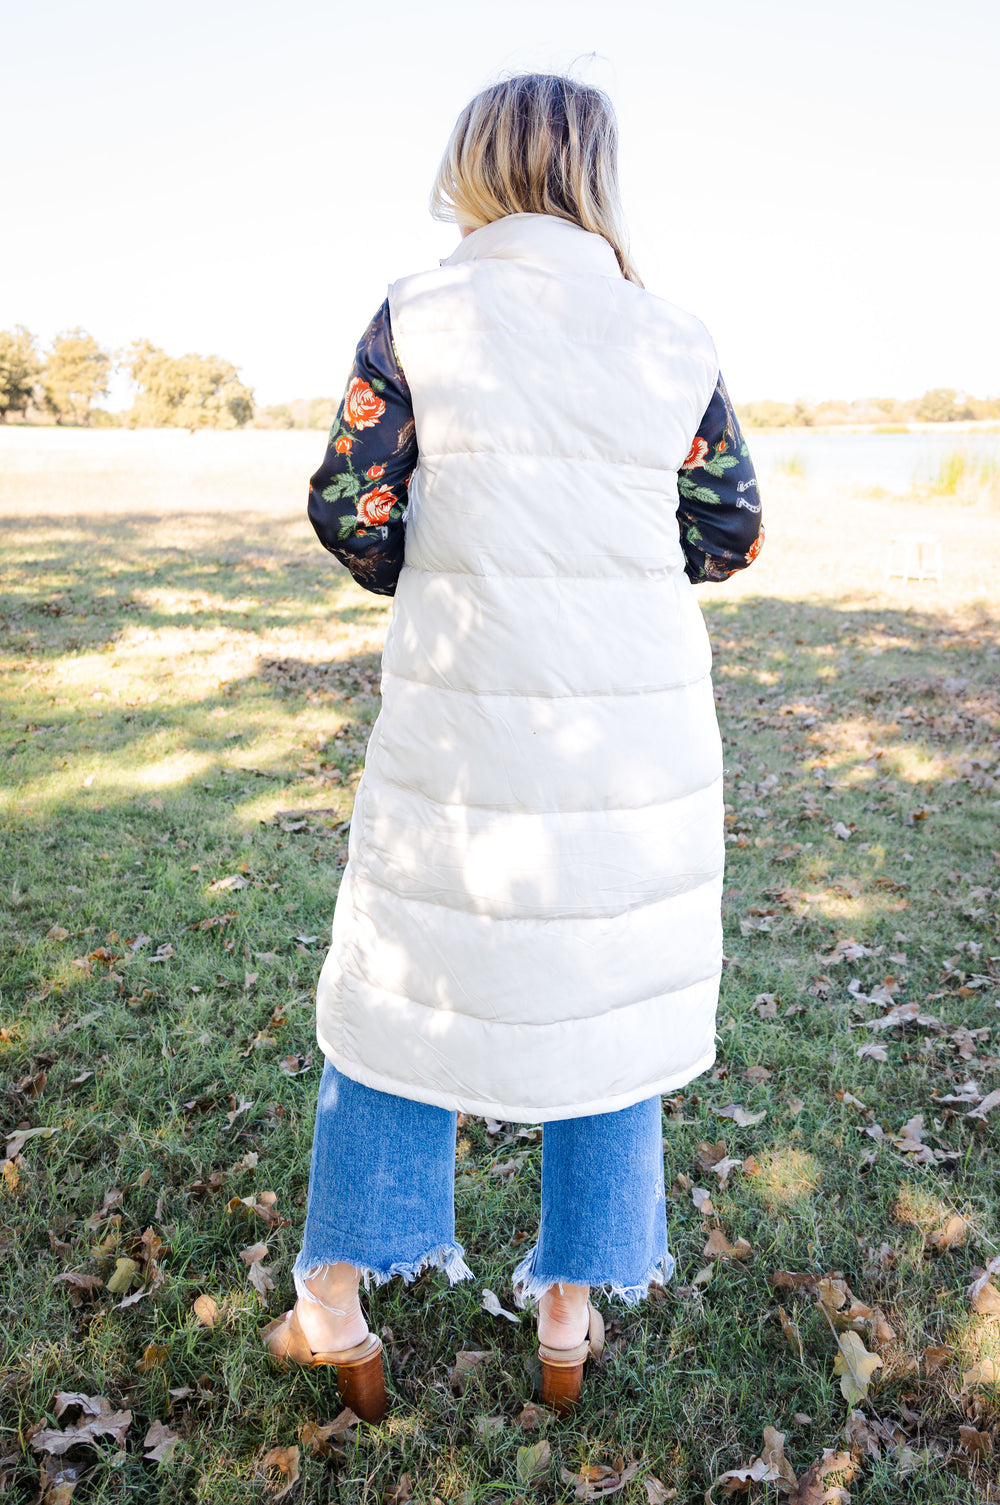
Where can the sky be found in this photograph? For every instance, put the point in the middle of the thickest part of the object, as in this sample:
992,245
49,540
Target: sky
816,181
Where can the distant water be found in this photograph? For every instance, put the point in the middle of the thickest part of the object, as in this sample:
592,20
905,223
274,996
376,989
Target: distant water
894,462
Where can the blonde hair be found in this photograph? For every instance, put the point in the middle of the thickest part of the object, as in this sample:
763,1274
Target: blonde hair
536,143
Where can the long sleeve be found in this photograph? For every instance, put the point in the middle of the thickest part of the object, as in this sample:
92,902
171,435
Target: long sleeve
719,508
357,498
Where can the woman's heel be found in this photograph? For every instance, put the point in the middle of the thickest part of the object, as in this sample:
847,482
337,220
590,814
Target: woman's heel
362,1386
562,1368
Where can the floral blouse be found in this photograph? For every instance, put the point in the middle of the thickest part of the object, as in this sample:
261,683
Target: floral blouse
357,498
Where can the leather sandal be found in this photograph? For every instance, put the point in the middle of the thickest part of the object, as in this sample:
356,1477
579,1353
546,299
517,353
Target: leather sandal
360,1377
562,1368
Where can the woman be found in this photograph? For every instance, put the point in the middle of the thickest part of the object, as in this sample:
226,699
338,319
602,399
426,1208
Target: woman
536,457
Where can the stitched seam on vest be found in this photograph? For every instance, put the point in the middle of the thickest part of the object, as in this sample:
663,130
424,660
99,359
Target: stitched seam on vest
534,919
533,1023
520,454
465,804
429,684
658,578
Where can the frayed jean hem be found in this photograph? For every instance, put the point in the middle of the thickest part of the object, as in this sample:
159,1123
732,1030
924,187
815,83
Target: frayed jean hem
529,1286
449,1258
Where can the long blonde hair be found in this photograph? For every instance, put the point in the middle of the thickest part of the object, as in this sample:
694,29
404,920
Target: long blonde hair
536,143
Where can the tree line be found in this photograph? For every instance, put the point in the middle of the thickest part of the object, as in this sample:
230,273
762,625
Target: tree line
64,383
940,405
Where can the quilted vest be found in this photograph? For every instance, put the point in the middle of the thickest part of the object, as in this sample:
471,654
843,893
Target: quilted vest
528,925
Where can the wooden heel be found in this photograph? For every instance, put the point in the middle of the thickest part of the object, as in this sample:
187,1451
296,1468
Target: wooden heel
562,1368
562,1385
362,1387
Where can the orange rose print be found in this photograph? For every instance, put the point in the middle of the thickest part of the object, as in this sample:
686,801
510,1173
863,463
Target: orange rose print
374,507
362,408
374,471
755,547
343,446
697,453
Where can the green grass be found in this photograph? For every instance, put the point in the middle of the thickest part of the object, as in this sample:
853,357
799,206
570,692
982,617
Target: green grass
167,695
961,474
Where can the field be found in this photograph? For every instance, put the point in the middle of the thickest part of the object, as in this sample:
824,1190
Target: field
188,683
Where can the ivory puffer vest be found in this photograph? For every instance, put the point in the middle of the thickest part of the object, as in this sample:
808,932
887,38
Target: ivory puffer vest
529,922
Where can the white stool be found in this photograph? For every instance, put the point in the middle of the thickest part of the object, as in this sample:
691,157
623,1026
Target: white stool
921,557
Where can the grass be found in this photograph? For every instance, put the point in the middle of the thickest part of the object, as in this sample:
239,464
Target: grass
790,465
961,474
186,703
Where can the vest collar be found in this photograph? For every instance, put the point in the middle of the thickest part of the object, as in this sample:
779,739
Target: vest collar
542,240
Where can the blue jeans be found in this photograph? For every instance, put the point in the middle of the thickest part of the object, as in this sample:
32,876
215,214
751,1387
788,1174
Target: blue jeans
382,1195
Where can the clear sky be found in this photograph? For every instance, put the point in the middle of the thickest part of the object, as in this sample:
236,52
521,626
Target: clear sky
817,181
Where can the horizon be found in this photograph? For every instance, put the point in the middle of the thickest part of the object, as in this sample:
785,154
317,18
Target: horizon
248,186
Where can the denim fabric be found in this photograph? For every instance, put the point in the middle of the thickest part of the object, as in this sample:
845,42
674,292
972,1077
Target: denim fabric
381,1195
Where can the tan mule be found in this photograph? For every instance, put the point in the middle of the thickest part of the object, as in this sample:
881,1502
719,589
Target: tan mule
562,1368
360,1377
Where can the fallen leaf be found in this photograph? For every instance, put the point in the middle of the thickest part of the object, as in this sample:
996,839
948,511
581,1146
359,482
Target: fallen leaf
239,1105
206,1310
161,1442
467,1361
795,1106
259,1278
532,1415
657,1493
855,1365
287,1460
317,1439
986,1301
57,933
880,1328
229,885
400,1492
873,1053
98,1420
719,1247
491,1304
951,1232
739,1115
791,1333
773,1454
596,1481
755,1075
154,1356
122,1278
936,1357
983,1373
78,1283
485,1426
17,1141
702,1199
532,1462
986,1106
976,1444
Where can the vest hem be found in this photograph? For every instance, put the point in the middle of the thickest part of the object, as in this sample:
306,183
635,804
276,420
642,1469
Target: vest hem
514,1112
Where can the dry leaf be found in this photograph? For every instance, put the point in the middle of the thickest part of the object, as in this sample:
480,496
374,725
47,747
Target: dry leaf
976,1444
657,1493
491,1304
880,1328
154,1356
98,1420
161,1441
486,1425
937,1357
791,1333
318,1439
122,1278
16,1142
702,1199
287,1460
467,1361
57,933
795,1106
532,1416
952,1232
739,1115
596,1480
986,1301
400,1492
983,1373
855,1365
206,1310
259,1278
986,1106
719,1247
532,1462
773,1454
872,1053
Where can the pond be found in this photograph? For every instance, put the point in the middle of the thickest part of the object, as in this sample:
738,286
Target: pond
894,462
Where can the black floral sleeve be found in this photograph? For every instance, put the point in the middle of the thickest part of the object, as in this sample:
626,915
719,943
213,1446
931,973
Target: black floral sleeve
719,508
357,498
